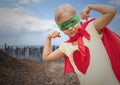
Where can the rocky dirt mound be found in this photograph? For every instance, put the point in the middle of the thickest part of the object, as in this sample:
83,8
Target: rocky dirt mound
26,72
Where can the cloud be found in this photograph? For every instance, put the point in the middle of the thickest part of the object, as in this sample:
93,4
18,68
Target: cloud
116,2
19,27
30,1
118,16
17,19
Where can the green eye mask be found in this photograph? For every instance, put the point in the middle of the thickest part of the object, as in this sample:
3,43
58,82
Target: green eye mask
69,23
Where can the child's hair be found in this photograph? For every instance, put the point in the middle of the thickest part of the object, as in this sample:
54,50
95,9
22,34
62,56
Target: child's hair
64,9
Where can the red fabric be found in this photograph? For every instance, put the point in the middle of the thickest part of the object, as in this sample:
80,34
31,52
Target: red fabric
111,42
81,58
67,66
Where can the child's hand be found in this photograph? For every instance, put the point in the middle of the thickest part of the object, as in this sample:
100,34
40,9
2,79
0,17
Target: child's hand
54,34
85,13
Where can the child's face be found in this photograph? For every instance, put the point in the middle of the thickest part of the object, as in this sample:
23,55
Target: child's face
72,30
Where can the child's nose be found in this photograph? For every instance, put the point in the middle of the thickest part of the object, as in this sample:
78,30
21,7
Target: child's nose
71,28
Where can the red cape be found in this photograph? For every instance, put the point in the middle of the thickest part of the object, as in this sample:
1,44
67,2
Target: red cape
111,42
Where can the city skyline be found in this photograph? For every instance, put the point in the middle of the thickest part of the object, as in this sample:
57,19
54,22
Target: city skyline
26,52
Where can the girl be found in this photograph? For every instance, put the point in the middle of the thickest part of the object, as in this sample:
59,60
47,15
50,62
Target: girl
85,52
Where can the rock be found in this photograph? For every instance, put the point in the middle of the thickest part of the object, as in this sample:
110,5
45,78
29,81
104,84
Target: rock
27,72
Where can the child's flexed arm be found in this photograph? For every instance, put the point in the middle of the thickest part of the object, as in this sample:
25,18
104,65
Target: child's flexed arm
48,55
108,13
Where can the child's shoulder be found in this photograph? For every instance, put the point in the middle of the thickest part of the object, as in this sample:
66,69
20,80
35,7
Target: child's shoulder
65,43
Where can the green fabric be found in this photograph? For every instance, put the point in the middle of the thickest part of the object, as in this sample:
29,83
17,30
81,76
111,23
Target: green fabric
69,23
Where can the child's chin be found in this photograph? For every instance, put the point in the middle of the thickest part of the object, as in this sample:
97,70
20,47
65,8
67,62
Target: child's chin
72,35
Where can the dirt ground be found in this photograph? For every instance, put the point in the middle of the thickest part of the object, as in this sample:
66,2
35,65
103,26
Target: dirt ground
27,72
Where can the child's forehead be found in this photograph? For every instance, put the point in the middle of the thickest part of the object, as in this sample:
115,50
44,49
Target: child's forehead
64,18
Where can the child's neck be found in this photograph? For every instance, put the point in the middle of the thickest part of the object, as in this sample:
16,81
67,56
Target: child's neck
74,43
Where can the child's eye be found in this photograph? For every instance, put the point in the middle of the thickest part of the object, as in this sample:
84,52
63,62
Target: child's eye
63,26
72,21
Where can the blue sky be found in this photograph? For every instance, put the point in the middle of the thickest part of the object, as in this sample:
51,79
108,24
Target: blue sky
27,22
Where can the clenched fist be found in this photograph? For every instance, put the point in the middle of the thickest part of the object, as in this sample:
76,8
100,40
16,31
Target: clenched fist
54,34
